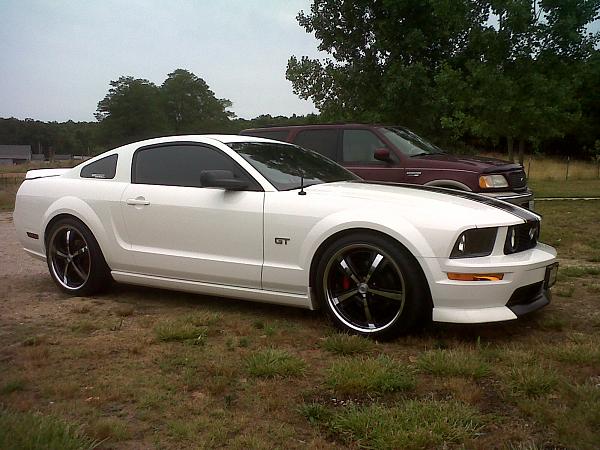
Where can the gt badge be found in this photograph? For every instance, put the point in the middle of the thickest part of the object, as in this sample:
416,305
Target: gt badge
281,241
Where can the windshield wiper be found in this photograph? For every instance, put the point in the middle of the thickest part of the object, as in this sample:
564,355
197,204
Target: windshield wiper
428,154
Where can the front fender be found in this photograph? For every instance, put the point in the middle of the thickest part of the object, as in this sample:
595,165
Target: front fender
452,184
400,230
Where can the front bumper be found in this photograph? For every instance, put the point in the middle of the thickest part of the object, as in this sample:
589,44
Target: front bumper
522,199
490,301
530,298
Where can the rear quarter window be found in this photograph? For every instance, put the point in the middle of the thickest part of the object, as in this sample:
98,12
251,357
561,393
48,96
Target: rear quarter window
104,168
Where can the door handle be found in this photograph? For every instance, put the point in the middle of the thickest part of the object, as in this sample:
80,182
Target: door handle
137,201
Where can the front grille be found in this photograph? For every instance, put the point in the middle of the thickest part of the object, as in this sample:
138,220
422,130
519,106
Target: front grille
517,180
522,237
526,294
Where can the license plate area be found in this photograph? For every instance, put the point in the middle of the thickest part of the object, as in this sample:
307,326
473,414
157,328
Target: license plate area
550,277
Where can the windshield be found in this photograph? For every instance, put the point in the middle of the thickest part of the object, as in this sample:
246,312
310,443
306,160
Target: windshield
282,164
409,143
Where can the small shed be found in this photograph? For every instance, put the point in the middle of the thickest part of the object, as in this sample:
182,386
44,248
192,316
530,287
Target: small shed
15,154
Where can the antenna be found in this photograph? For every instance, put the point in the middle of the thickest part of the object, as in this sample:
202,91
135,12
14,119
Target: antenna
302,192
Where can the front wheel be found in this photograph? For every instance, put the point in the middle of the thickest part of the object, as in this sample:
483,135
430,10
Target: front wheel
370,285
74,258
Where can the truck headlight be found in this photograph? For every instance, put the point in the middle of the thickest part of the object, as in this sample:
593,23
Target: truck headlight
475,242
492,181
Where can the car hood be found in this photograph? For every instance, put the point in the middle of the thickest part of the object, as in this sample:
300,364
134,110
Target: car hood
475,163
423,204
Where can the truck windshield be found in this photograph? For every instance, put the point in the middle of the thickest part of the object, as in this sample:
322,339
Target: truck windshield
282,164
409,143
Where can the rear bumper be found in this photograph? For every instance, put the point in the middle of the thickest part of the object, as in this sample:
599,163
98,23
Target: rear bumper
522,199
519,292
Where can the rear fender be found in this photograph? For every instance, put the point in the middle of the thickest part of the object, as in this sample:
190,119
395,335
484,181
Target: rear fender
79,209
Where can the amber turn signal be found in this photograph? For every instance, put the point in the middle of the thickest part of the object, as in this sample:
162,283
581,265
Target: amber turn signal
475,276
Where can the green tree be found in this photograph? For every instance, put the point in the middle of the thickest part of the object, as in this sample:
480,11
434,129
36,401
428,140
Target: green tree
133,109
384,56
524,88
494,69
191,106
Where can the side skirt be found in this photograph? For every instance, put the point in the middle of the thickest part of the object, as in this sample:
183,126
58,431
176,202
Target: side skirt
36,255
197,287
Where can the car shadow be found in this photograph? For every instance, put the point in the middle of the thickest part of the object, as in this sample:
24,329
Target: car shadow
156,300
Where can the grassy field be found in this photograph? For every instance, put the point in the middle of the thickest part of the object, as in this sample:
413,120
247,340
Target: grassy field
8,190
561,189
554,169
573,227
22,168
143,368
547,168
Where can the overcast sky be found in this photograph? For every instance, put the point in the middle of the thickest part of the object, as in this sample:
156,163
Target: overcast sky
58,57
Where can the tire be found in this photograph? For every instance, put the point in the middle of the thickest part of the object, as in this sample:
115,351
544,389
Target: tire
74,258
372,286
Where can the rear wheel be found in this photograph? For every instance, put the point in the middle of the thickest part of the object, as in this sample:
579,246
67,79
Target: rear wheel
370,285
74,258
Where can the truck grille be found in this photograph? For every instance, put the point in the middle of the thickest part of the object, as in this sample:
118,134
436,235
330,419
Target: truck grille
517,180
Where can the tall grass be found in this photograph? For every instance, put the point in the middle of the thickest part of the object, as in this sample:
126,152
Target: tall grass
546,168
30,431
8,191
22,168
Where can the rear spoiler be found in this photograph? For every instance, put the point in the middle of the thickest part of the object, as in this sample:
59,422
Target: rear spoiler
44,173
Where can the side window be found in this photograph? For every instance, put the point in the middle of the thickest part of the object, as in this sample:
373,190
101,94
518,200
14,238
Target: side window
360,146
104,168
320,141
181,165
277,135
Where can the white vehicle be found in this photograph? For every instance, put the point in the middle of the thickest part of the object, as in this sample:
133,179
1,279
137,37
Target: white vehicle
256,219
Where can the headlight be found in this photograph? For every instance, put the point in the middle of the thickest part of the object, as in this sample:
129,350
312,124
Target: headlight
475,242
492,181
521,237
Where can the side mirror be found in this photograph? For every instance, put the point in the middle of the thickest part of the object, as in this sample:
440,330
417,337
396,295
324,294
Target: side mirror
382,154
222,179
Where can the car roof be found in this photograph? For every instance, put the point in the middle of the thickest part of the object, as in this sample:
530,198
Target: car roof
229,138
201,138
325,126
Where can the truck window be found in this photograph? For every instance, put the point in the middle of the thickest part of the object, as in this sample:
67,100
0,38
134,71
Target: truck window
320,141
360,146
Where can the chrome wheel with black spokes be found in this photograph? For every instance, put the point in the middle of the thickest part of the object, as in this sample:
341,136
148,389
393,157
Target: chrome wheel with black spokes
74,258
370,285
70,257
364,287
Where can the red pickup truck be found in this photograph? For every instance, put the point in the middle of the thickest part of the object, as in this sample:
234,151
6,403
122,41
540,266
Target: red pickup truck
396,154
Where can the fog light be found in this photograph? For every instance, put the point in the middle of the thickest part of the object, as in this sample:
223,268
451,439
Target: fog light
475,276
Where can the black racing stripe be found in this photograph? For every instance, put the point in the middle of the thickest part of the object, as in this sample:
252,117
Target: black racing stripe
521,213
